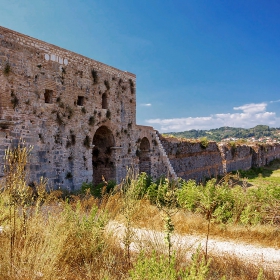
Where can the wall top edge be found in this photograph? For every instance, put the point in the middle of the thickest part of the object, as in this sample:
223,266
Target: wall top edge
42,45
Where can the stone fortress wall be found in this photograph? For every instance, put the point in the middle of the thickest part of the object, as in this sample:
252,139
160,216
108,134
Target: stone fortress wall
191,160
79,115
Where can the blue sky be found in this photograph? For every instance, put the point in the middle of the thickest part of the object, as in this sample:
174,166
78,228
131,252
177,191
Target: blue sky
199,64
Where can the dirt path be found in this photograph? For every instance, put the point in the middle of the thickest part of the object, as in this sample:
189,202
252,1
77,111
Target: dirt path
266,257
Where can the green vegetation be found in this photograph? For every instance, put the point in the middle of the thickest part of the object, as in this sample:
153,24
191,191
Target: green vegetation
7,69
108,114
87,142
59,235
94,76
69,175
268,175
230,132
59,118
98,190
83,110
204,142
14,101
131,85
91,120
107,85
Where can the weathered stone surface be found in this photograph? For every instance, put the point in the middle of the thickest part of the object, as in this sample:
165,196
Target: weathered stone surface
80,117
69,108
190,160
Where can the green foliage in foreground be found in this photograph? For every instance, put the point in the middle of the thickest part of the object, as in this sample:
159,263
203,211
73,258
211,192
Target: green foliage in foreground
221,203
160,268
46,237
99,189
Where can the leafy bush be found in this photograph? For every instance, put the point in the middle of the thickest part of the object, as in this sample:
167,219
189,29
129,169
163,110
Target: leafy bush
159,267
7,69
99,189
87,142
204,142
94,76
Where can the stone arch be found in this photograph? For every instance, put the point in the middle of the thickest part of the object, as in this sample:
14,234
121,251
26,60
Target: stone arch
144,156
103,161
104,101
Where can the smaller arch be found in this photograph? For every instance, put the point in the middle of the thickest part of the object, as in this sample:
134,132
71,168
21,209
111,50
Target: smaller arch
145,145
104,101
144,156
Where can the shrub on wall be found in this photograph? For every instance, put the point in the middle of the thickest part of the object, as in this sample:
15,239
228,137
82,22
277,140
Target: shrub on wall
204,142
94,76
69,175
131,84
7,69
108,114
106,83
87,142
91,120
14,100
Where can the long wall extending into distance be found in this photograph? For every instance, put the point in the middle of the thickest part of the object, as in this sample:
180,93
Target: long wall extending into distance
191,160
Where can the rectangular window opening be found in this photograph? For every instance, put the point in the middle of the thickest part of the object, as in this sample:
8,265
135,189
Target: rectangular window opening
80,101
48,96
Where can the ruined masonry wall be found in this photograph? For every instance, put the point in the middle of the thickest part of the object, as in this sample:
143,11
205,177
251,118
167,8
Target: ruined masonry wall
234,158
79,115
61,130
192,161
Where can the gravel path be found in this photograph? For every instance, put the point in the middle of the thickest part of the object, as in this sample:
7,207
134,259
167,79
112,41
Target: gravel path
266,257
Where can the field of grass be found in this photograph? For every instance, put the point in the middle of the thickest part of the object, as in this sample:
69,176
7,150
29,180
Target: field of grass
54,235
267,175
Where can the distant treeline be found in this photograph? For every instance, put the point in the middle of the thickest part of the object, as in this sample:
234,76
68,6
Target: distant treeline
218,134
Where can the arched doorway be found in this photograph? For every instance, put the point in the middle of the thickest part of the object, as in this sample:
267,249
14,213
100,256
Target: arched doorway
103,156
144,157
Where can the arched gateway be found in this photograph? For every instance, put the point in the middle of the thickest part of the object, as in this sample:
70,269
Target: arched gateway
103,162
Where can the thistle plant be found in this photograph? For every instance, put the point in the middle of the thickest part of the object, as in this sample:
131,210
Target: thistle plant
129,208
166,203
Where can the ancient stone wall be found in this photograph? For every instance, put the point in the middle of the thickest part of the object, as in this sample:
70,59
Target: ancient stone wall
264,153
79,116
60,103
236,157
191,160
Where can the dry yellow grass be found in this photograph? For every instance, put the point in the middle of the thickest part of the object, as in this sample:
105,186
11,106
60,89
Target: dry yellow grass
50,238
190,223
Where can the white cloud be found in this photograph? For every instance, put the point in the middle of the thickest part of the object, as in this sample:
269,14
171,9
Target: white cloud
250,116
146,104
252,108
274,101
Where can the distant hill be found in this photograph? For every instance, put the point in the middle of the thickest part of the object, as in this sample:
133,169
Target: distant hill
218,134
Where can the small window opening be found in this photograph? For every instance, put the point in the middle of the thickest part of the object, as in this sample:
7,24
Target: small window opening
80,101
48,96
104,101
